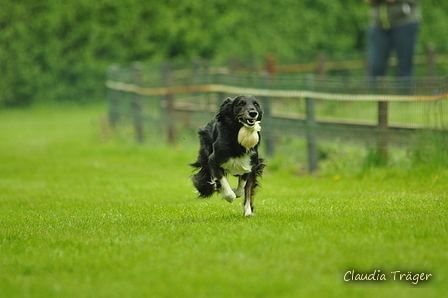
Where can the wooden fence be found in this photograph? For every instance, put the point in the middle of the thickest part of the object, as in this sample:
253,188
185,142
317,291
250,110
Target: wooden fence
269,85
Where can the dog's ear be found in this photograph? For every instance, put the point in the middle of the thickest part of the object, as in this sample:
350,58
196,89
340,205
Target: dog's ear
260,113
227,101
225,108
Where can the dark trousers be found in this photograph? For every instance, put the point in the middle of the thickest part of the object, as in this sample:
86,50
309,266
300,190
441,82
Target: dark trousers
402,39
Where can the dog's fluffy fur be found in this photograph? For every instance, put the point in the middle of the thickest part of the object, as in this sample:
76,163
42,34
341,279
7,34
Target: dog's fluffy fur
229,145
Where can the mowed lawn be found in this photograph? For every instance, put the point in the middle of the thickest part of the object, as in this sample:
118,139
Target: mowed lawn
83,216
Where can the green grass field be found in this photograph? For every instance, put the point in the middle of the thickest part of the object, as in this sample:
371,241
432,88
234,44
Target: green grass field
81,216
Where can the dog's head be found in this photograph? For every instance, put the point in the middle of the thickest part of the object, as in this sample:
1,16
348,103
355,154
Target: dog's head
244,108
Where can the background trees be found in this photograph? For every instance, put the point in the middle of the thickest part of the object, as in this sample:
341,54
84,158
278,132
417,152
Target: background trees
60,50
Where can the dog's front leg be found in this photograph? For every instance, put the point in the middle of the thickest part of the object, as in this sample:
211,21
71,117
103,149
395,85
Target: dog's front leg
218,173
226,192
241,185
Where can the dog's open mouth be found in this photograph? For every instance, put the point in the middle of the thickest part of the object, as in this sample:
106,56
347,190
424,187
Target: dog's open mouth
247,122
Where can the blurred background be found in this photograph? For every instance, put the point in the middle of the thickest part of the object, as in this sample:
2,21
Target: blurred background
61,50
120,53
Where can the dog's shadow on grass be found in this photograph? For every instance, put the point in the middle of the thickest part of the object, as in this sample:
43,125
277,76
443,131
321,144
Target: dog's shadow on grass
237,217
214,218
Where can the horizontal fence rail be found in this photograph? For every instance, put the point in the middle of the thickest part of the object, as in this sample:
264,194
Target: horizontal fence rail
216,88
190,97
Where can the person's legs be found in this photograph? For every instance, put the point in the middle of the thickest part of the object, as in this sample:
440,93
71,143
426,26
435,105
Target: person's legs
379,45
404,41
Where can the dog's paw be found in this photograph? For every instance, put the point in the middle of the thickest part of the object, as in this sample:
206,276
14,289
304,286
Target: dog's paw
248,211
229,196
238,192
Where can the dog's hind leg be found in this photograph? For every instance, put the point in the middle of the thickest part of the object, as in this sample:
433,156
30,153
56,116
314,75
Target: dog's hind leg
249,190
248,199
251,184
249,196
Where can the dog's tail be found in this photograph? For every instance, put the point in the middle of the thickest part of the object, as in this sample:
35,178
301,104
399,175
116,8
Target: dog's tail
257,172
203,181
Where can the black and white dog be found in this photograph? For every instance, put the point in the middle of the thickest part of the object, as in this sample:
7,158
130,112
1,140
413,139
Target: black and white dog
229,145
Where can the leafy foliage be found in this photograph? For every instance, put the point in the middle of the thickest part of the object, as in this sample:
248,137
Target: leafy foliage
52,50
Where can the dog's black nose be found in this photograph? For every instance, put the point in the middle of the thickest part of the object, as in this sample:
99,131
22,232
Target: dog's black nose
253,114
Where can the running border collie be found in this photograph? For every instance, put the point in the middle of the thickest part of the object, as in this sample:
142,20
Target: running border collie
229,145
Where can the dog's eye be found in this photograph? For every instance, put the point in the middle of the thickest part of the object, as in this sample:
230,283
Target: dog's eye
242,103
256,104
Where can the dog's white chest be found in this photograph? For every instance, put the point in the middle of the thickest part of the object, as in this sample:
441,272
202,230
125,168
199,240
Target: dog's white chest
238,166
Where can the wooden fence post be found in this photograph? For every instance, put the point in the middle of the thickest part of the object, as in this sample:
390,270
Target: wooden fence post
168,103
235,65
311,126
137,104
218,78
431,58
383,115
271,64
114,107
321,59
195,75
268,81
383,145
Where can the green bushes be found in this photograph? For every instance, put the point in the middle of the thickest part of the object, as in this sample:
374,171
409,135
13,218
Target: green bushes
60,50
